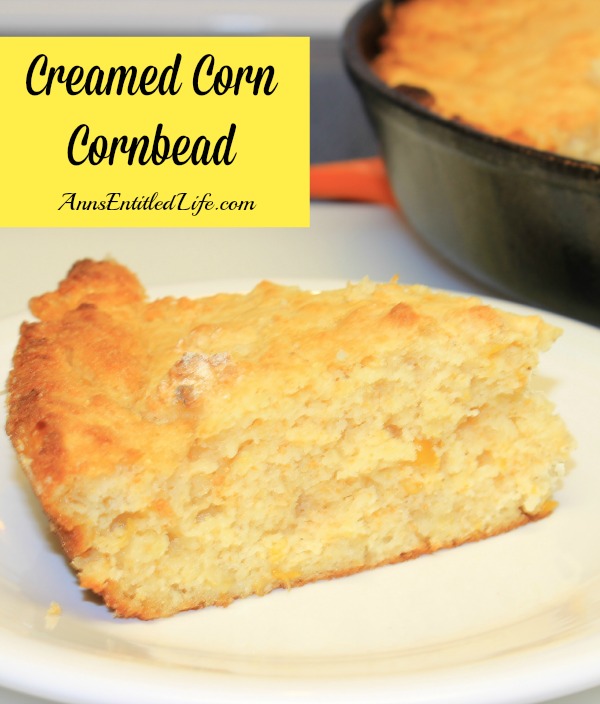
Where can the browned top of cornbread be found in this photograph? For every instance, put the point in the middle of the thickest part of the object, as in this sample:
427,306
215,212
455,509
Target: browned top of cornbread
526,70
107,380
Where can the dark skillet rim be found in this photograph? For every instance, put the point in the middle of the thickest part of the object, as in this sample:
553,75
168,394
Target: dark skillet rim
359,68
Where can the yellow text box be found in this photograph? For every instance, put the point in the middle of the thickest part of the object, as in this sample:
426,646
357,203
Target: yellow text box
155,131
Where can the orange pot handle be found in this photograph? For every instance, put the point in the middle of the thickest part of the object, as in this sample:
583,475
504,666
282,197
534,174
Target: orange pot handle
362,180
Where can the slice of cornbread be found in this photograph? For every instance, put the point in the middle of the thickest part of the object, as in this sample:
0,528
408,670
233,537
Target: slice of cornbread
191,452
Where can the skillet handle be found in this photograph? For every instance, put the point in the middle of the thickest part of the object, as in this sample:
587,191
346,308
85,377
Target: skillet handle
362,180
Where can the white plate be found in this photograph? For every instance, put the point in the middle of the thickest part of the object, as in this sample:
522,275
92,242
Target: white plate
513,619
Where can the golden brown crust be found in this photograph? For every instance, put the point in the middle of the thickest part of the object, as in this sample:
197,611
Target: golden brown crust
524,70
46,393
92,283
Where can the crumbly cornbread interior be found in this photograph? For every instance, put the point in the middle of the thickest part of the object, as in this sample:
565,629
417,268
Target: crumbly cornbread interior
525,70
192,452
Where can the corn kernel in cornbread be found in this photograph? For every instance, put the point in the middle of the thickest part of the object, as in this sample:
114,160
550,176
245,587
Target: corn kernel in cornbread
192,452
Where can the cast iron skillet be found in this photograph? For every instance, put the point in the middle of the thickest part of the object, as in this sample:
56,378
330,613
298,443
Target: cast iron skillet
523,221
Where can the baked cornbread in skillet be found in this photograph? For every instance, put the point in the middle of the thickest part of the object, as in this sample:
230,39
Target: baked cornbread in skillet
525,70
192,452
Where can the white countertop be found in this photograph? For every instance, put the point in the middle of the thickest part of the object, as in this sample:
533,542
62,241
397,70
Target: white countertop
177,17
343,242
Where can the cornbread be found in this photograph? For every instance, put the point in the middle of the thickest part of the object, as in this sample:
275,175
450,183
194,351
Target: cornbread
52,616
191,452
525,70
